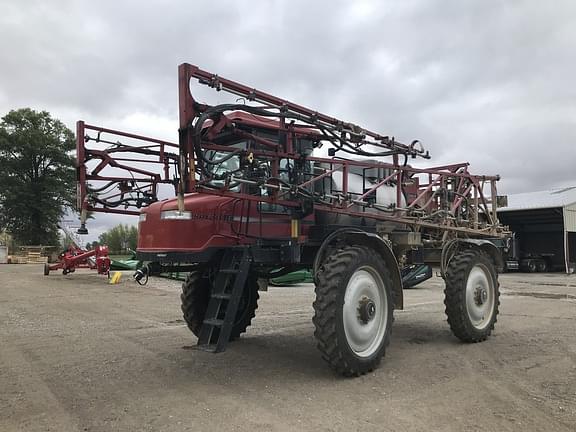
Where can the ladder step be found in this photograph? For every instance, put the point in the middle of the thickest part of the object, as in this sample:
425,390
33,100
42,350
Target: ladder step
209,348
224,300
214,322
221,296
229,271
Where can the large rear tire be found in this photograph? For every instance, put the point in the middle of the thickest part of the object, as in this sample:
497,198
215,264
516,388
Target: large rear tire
472,295
196,296
353,310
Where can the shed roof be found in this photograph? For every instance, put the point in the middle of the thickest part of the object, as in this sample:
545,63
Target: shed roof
541,200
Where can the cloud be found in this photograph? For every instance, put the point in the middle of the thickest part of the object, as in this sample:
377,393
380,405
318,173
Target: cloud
485,82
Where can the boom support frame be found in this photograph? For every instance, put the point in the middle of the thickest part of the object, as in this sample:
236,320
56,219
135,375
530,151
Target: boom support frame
443,199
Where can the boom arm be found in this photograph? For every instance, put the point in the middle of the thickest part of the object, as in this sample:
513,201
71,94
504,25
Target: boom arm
120,176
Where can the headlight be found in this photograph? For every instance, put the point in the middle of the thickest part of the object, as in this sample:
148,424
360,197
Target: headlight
142,217
176,215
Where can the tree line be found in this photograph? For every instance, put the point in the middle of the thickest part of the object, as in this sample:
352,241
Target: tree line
120,239
38,183
37,176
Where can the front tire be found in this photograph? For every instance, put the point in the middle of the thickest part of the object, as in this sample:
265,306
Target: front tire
196,296
353,310
472,295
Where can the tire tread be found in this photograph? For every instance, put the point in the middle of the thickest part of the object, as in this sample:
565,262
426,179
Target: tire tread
195,295
326,309
454,296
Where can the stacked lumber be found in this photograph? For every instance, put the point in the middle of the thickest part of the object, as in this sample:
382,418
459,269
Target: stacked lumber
18,259
30,258
36,258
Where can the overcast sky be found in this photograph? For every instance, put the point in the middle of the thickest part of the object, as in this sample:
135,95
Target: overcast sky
489,82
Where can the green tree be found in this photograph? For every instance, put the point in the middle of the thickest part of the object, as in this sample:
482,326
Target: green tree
66,240
36,174
92,245
120,238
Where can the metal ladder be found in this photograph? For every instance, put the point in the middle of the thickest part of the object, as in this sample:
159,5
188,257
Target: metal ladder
224,300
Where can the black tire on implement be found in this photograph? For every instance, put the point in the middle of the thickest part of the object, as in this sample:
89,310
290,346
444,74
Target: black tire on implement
196,295
332,318
471,296
46,269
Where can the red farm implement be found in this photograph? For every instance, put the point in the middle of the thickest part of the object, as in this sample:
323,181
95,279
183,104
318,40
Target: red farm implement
266,187
75,257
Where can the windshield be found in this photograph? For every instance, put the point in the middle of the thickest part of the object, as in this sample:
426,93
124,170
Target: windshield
222,165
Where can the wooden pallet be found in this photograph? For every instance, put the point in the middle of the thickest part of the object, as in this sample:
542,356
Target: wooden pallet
36,258
30,258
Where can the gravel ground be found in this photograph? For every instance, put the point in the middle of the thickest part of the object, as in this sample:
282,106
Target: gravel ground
78,354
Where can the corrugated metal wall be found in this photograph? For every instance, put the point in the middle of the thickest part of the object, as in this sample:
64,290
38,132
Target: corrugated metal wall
571,251
570,218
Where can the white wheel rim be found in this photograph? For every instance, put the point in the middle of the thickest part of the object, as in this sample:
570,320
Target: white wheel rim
480,296
365,325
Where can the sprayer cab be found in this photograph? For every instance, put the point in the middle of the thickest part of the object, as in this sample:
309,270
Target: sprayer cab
195,226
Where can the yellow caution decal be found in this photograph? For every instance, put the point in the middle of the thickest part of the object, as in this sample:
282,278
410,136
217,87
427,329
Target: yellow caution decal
295,231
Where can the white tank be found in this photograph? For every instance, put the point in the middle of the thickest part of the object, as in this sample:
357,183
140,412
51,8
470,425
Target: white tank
385,198
385,195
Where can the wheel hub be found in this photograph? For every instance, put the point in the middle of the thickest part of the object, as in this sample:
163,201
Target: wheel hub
480,295
366,310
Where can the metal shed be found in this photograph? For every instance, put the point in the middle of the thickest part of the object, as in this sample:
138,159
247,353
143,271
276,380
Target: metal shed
546,220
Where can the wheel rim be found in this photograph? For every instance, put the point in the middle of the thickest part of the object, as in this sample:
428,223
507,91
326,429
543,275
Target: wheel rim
365,311
480,296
